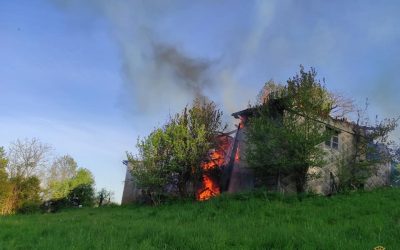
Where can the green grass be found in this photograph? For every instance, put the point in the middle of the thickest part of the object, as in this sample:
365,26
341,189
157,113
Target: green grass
248,221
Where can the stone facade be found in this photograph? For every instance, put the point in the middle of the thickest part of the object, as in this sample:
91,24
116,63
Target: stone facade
131,192
322,180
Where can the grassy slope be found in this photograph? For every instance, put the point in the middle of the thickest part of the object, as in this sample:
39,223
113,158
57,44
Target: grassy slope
356,221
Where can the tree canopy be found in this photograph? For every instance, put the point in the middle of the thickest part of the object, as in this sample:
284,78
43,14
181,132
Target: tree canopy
292,121
172,155
26,181
283,142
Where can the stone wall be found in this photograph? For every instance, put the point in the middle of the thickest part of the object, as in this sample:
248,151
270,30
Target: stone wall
131,192
322,179
242,177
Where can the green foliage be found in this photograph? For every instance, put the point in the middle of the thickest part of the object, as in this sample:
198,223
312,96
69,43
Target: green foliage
307,96
82,195
68,185
268,91
361,220
3,161
21,176
353,175
104,197
150,168
373,148
29,207
25,193
18,193
3,172
283,137
172,155
5,185
82,188
60,176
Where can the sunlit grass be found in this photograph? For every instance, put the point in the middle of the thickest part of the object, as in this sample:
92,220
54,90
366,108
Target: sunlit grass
247,221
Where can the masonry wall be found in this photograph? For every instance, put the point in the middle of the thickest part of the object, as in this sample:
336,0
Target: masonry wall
321,180
242,177
131,191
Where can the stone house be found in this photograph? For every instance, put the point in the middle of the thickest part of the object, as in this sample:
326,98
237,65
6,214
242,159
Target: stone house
237,176
322,180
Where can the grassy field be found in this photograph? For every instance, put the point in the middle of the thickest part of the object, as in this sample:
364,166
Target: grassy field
247,221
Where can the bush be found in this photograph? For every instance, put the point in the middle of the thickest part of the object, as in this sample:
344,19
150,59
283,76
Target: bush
54,205
29,208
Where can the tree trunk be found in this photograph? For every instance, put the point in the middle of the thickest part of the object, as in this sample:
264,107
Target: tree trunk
278,183
182,187
301,177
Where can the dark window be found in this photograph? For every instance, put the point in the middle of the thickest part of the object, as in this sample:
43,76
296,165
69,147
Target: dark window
333,142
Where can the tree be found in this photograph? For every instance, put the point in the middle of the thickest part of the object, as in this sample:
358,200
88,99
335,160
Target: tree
373,147
82,188
104,197
151,166
269,90
16,192
68,185
283,137
172,155
26,193
21,189
5,185
27,158
59,176
339,105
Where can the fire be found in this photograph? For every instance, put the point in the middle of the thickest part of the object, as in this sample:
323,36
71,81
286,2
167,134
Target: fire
216,159
210,186
210,189
237,154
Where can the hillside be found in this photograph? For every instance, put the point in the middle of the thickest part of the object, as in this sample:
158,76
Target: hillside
246,221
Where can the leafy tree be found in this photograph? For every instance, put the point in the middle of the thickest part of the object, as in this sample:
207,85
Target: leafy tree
5,185
82,188
151,166
188,142
104,197
17,192
68,185
290,123
172,155
26,193
60,174
282,137
373,147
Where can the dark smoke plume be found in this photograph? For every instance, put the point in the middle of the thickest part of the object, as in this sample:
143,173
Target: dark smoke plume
191,74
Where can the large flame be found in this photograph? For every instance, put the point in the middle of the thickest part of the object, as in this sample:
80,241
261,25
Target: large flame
217,158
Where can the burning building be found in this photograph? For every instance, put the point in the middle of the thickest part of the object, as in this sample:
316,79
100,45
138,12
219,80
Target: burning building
236,176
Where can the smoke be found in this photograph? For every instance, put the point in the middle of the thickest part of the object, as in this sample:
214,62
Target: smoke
168,57
191,74
164,76
159,75
162,73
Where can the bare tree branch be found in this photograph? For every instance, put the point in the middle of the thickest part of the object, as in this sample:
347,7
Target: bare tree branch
27,157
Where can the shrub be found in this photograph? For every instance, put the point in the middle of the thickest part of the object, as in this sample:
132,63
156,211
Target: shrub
29,207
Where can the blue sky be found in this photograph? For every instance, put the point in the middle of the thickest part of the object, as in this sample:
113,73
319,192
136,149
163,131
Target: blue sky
89,77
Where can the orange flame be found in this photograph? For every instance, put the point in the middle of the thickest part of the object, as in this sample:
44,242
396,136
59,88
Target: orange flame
211,189
237,154
210,186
